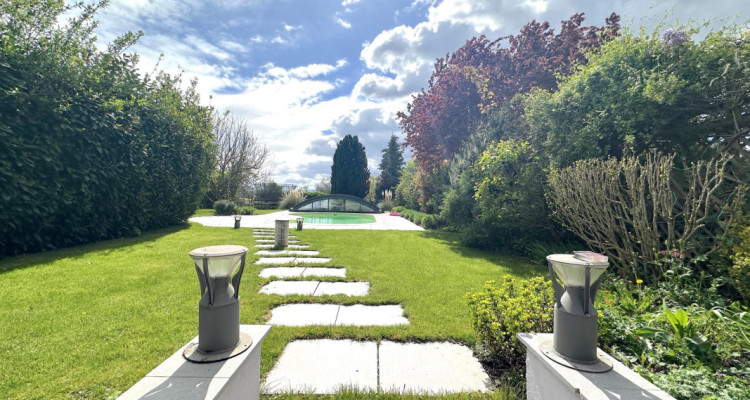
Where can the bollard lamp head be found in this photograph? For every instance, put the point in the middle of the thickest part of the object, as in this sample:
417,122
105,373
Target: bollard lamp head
223,261
572,271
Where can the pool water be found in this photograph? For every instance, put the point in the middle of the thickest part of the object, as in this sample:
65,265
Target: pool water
335,218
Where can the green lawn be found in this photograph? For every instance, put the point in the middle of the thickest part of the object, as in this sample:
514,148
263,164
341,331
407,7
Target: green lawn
90,321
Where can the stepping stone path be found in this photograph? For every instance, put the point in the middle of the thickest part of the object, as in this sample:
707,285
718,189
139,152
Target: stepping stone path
294,272
325,366
291,246
316,288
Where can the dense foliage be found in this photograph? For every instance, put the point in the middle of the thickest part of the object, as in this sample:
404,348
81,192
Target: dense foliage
224,207
483,74
91,150
500,312
349,172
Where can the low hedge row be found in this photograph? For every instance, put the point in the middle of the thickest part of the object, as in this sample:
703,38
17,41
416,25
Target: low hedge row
427,221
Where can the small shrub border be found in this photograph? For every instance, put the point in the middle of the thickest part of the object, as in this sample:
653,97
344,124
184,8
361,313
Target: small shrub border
224,207
427,221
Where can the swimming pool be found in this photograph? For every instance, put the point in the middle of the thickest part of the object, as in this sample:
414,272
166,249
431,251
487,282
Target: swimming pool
335,218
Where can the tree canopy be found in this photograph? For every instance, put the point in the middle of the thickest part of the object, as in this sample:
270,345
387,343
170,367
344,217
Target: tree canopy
349,172
483,74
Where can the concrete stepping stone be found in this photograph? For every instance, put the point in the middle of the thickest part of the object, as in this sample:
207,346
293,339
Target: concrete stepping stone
269,236
362,315
290,287
304,314
294,272
324,366
332,314
345,288
275,260
287,252
282,272
430,368
316,288
312,260
320,271
291,246
273,241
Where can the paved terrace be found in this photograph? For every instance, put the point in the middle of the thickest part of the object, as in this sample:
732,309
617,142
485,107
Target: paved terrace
382,222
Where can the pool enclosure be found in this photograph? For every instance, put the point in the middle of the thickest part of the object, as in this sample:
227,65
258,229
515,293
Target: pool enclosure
336,203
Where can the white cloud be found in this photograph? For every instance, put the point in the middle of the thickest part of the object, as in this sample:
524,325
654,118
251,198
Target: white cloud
343,23
346,3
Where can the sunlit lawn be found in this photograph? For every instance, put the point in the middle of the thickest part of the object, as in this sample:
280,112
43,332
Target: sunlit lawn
90,321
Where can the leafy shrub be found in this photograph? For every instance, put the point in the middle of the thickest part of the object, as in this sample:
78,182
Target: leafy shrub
701,383
291,198
740,270
310,195
224,207
246,210
641,327
499,313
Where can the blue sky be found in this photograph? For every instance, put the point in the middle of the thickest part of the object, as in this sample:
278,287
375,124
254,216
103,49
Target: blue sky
304,73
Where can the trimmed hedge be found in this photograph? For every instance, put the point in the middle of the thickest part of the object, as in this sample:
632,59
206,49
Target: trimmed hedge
427,221
90,150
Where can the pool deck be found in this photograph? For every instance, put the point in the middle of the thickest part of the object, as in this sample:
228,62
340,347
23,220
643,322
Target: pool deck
383,222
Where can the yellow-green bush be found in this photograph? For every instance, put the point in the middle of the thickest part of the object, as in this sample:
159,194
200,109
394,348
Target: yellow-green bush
740,271
499,312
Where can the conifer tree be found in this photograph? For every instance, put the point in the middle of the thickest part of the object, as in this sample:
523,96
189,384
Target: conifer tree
390,166
349,172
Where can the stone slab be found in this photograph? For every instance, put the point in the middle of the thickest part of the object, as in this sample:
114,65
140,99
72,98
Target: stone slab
285,288
271,241
430,368
312,260
282,272
319,271
364,315
345,288
287,252
275,260
324,366
304,314
332,314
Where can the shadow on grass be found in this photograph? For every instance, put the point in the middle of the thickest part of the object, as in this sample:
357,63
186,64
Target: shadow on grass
521,266
105,247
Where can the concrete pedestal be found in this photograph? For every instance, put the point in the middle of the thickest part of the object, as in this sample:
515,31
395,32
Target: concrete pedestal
177,378
546,379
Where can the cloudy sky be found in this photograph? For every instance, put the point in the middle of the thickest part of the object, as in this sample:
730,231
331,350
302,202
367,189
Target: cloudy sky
304,73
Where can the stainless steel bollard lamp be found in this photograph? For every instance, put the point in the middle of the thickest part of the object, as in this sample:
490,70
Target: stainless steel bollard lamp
219,271
299,223
237,219
575,324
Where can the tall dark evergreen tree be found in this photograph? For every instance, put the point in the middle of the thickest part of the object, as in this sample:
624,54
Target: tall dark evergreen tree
349,172
390,165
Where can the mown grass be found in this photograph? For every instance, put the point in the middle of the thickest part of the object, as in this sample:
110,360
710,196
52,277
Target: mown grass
90,321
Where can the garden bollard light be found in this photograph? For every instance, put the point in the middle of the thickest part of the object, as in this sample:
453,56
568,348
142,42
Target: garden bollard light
219,272
299,223
237,219
281,234
575,324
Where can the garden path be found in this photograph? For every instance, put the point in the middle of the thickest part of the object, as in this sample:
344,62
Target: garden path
325,366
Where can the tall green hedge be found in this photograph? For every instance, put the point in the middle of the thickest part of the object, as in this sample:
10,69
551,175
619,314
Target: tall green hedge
89,149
